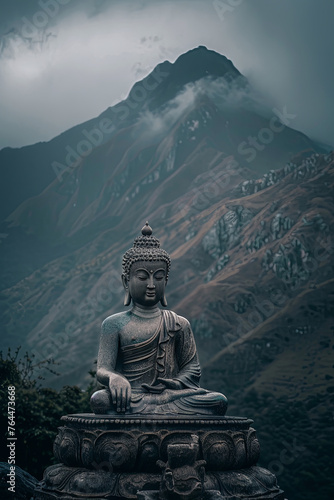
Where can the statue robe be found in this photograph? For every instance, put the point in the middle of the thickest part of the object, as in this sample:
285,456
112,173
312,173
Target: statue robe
169,354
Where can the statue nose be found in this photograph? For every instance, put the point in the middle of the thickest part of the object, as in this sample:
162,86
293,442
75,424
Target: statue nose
150,284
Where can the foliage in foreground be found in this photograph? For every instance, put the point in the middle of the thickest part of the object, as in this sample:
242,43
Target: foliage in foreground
296,436
37,410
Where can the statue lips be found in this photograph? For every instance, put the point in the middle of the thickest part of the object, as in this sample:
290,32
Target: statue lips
153,350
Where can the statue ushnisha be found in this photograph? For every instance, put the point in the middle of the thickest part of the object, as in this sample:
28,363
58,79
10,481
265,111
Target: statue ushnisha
156,434
147,358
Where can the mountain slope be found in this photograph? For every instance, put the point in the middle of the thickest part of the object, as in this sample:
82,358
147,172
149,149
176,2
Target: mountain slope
28,170
242,202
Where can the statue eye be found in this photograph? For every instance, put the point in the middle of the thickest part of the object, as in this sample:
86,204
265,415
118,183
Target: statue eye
141,276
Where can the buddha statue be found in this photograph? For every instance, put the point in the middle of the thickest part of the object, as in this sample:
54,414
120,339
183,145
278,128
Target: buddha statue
147,360
155,433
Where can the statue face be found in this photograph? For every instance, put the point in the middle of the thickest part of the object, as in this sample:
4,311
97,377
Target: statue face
147,282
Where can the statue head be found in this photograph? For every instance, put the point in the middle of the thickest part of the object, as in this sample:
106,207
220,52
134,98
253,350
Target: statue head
145,270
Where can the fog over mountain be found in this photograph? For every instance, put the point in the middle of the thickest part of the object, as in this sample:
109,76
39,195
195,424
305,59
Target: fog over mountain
65,61
243,203
154,105
204,118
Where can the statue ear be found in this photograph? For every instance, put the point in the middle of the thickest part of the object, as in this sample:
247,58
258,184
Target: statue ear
125,281
127,297
163,301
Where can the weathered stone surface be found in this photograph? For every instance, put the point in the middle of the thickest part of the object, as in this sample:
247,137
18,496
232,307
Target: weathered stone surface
155,431
115,457
127,444
61,482
147,361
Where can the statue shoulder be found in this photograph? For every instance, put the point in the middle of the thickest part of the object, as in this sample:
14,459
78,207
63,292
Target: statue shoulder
179,320
184,323
115,322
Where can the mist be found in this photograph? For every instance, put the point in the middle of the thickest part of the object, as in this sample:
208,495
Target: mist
87,55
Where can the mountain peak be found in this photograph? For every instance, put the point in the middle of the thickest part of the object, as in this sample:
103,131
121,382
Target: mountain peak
202,62
189,67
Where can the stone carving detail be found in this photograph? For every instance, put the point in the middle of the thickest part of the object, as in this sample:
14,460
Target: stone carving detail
62,482
119,457
118,449
84,482
122,450
182,474
219,453
148,452
253,483
66,446
87,449
155,433
252,447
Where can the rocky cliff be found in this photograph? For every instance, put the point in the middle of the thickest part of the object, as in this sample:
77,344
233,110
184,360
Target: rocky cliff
241,201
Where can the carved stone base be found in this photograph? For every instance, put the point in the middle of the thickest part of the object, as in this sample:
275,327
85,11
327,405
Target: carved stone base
108,457
68,483
124,445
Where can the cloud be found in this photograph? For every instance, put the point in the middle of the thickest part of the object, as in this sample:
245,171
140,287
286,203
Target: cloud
159,121
90,54
224,92
49,84
285,50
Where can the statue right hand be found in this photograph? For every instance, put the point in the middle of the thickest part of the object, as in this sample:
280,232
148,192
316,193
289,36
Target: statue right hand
120,390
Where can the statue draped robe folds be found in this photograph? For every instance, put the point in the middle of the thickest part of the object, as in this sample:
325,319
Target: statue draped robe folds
156,434
169,354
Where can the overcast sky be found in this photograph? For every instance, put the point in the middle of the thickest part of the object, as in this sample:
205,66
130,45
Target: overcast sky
65,61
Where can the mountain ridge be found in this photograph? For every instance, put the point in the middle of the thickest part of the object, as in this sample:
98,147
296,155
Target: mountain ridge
28,170
244,205
11,157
